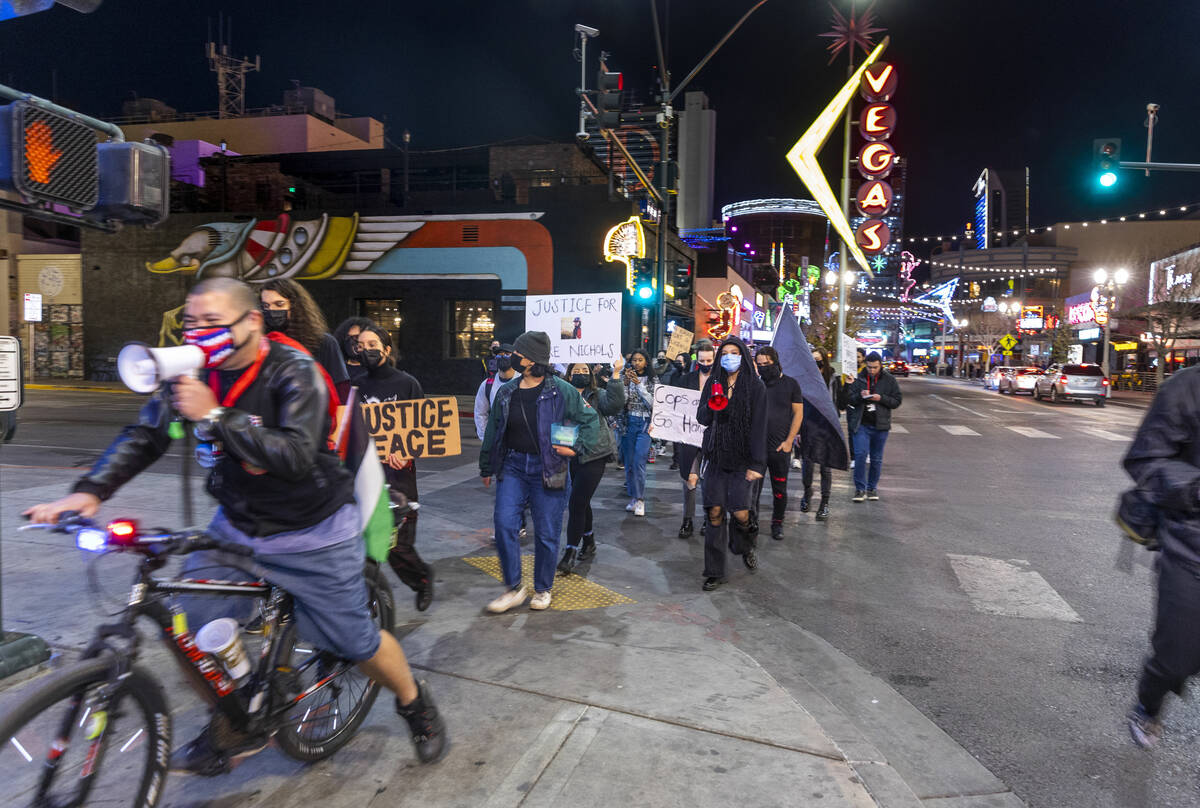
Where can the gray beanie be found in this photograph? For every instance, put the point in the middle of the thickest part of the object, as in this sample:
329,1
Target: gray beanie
534,346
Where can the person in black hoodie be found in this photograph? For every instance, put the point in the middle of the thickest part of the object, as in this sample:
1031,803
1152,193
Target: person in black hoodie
706,357
346,336
383,382
733,407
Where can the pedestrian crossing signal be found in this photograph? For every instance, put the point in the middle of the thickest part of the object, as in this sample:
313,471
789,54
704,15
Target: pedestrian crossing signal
48,157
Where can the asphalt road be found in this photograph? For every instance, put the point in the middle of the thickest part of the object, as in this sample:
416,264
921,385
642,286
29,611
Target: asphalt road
988,586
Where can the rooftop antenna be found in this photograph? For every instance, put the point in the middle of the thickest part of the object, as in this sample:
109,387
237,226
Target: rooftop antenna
231,71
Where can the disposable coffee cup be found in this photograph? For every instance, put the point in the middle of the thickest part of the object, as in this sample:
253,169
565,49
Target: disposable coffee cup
222,638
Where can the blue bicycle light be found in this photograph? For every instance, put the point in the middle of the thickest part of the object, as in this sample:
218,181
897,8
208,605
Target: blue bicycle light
92,539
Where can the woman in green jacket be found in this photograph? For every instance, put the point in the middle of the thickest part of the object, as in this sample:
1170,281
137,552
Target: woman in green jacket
587,469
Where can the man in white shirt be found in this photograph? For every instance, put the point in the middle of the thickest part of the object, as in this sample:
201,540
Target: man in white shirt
488,387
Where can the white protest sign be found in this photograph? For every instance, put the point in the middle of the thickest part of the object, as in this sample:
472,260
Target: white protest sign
674,417
33,308
849,356
582,328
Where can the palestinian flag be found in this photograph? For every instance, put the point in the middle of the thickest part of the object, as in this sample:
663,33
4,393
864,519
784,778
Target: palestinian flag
357,449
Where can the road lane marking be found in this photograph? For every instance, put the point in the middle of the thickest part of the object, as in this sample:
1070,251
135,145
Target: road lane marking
1009,589
1105,434
1030,432
960,406
955,429
899,429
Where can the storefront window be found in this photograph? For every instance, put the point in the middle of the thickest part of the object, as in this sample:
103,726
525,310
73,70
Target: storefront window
471,325
387,313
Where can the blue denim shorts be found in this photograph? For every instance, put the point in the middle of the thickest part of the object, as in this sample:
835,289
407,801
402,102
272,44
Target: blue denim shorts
326,584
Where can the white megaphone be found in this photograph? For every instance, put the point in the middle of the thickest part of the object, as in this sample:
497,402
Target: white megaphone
143,368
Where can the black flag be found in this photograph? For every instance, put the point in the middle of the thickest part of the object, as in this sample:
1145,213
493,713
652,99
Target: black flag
821,438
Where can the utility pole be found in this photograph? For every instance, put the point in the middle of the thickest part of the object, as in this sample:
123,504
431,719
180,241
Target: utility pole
844,262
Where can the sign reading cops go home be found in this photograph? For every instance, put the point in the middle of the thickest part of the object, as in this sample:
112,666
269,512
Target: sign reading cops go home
423,427
582,328
674,417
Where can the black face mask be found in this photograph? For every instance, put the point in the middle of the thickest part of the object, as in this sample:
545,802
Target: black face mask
705,367
276,319
371,358
581,380
535,370
769,373
504,362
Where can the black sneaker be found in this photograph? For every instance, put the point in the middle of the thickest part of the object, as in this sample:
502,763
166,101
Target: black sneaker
804,505
425,594
873,495
823,512
712,583
588,552
1145,729
750,559
777,531
426,724
860,496
201,756
568,561
686,529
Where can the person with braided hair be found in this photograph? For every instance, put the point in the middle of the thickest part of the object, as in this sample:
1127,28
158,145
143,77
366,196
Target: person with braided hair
733,456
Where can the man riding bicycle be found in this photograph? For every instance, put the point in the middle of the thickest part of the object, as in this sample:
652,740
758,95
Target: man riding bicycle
262,410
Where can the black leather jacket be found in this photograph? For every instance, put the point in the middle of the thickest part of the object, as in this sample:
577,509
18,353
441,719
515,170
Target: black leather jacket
277,473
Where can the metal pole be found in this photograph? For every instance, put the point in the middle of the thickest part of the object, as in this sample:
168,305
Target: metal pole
663,215
581,133
1104,356
844,263
1159,166
31,352
112,130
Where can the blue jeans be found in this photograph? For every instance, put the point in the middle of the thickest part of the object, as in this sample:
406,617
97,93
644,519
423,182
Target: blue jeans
635,448
521,483
868,442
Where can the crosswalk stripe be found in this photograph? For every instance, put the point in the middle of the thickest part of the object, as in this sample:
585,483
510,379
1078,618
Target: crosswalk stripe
1009,588
1104,434
955,429
899,429
1030,432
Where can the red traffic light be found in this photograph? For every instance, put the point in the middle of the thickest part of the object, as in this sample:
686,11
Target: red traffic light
48,157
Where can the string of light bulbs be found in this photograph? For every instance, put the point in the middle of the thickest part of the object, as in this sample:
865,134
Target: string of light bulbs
1156,213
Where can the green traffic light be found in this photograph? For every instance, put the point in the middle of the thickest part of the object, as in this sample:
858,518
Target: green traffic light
1108,179
645,292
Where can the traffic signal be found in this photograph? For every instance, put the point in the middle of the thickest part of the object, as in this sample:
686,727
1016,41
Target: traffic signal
608,98
1106,160
48,157
135,183
644,288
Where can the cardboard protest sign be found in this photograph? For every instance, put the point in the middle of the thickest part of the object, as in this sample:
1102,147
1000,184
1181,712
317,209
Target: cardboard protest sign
674,417
681,342
423,427
582,328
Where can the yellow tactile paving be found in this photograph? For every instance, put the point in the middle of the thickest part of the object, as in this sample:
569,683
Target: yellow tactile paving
569,593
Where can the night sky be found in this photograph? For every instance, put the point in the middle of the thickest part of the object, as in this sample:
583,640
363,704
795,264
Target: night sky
1002,84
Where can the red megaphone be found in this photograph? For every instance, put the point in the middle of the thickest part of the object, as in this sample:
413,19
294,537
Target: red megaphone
718,400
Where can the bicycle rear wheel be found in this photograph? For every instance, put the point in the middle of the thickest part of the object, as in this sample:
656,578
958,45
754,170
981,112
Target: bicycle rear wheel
85,736
319,724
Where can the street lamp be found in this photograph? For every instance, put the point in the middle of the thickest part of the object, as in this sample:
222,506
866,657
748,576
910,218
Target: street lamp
1106,293
831,277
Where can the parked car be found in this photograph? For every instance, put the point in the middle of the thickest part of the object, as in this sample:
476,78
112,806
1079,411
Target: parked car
1020,380
991,380
921,369
898,368
1063,382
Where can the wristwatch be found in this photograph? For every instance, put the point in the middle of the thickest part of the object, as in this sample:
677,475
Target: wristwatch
205,425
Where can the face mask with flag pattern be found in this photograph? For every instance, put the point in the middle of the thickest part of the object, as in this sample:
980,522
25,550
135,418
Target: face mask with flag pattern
216,341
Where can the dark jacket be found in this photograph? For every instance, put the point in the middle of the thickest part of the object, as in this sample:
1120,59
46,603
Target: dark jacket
276,473
558,403
850,399
607,400
748,384
1164,461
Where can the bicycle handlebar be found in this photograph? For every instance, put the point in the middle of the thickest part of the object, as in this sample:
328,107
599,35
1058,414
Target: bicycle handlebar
157,542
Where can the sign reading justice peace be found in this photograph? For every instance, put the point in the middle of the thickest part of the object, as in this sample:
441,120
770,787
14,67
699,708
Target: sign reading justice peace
422,427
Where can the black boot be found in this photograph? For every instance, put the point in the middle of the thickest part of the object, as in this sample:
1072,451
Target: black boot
567,565
686,529
823,511
806,501
747,536
589,547
425,594
425,723
776,530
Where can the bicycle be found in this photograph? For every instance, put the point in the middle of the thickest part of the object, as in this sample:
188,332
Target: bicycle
101,725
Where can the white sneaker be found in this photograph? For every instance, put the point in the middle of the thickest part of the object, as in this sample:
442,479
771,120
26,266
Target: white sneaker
639,508
796,463
540,601
630,506
511,598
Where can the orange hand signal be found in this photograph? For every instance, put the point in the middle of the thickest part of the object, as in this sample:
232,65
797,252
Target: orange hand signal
40,153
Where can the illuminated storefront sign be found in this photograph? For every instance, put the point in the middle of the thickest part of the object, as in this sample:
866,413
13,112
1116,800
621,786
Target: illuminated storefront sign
876,124
874,198
1033,318
624,243
875,160
877,121
1080,313
873,236
981,211
1124,346
1086,334
908,262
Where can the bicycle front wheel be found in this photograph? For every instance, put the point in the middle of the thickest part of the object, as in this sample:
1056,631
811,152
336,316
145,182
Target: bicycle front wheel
339,695
86,737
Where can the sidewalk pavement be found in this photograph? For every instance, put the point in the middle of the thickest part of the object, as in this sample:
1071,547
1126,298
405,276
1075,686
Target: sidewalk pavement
669,697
